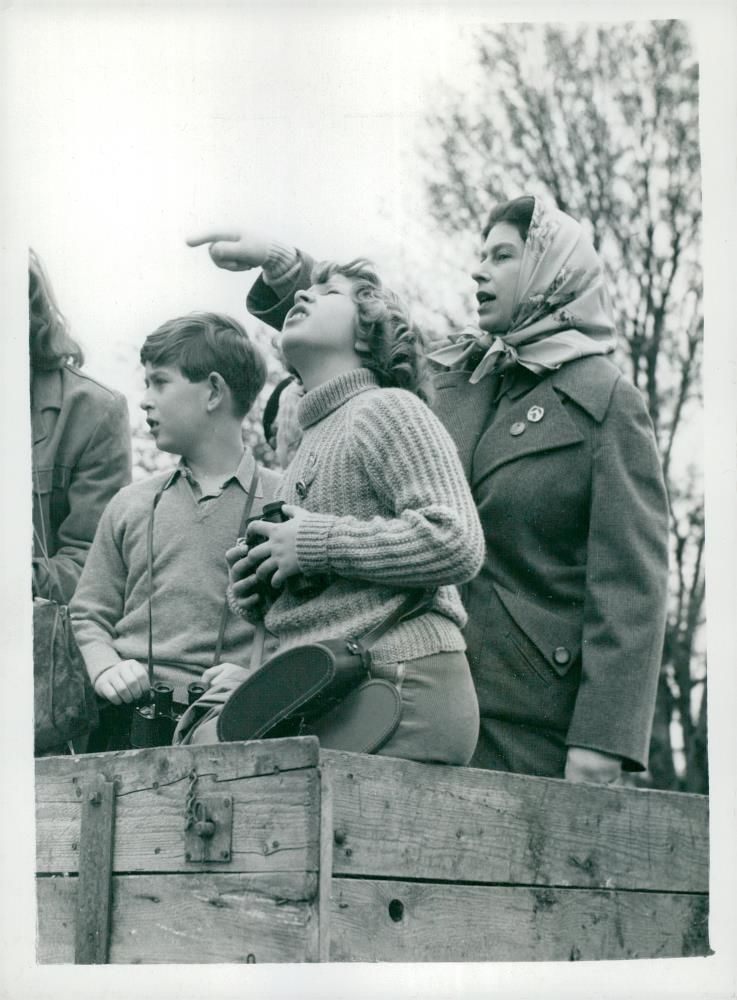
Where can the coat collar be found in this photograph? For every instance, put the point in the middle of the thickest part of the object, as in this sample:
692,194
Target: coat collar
588,382
502,441
465,410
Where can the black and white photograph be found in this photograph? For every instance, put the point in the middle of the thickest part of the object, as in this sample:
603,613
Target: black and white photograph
369,533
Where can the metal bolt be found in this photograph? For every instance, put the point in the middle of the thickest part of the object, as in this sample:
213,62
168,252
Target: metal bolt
95,798
339,837
225,855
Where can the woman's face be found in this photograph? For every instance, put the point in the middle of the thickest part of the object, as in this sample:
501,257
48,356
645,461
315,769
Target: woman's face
323,318
496,277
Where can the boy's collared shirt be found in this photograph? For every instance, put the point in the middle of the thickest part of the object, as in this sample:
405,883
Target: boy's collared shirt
191,536
242,475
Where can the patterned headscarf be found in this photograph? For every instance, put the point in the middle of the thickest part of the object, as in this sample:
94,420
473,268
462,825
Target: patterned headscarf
562,308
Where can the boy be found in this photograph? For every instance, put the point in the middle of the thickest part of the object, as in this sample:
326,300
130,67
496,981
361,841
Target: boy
202,375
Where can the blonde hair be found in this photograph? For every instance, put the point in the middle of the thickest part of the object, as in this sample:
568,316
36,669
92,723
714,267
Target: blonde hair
389,344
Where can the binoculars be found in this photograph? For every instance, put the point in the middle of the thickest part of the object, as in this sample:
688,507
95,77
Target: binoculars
153,723
300,586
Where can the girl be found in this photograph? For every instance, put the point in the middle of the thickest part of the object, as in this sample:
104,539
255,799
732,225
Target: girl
81,445
377,504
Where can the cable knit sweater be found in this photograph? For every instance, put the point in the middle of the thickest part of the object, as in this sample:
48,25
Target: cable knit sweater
389,509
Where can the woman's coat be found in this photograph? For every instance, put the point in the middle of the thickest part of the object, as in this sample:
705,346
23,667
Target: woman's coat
81,458
566,619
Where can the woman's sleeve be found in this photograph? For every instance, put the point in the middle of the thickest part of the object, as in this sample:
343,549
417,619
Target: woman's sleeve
99,600
104,466
626,586
286,271
433,536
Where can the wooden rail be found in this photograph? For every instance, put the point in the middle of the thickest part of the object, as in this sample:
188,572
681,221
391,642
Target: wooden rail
345,857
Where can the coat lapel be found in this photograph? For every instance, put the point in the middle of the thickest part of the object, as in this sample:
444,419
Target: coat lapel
463,409
498,444
46,394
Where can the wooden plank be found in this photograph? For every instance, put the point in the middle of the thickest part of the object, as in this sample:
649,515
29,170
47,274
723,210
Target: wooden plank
92,921
391,921
325,882
275,810
189,918
400,819
140,769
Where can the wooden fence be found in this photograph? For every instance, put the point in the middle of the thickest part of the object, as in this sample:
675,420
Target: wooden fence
275,851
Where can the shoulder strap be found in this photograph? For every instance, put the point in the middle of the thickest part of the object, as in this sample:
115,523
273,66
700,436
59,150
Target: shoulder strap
150,577
414,604
244,517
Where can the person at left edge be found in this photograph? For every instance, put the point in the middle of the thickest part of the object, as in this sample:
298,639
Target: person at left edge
81,454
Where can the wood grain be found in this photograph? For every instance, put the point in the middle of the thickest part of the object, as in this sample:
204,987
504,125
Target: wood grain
190,918
92,922
401,819
276,806
439,922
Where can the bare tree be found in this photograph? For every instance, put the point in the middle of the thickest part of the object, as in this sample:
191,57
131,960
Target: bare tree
605,120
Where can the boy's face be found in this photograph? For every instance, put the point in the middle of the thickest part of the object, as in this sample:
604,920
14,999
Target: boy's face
322,318
176,409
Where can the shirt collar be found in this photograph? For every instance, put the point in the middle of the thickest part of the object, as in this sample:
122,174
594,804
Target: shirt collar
243,473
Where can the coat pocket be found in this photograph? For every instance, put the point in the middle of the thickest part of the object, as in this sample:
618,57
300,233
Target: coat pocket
557,639
48,480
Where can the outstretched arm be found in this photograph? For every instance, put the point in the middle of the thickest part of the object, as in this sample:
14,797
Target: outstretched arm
285,270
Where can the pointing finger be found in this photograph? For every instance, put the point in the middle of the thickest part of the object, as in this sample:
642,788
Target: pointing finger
214,236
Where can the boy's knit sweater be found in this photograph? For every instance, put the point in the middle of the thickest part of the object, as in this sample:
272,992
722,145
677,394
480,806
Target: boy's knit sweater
109,609
390,509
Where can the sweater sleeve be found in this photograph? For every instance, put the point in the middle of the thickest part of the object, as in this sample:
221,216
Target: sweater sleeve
434,536
626,586
98,602
286,272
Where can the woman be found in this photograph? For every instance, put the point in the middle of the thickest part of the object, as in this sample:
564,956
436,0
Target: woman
566,618
377,506
81,445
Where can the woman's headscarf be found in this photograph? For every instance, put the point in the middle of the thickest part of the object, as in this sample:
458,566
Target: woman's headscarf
562,308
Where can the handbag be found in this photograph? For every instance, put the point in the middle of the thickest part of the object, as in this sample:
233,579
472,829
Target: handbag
64,702
320,688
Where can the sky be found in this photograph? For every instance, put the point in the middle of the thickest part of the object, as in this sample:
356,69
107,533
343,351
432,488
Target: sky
126,127
137,128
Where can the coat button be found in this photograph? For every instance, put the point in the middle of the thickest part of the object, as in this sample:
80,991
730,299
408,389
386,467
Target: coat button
301,489
517,428
561,656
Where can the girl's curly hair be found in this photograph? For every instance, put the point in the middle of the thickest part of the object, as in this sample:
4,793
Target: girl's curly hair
51,344
394,348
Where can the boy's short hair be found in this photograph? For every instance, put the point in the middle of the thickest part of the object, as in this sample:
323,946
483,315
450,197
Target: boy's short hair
204,342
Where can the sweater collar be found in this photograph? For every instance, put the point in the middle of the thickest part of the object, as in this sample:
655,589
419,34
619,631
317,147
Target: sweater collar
317,403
